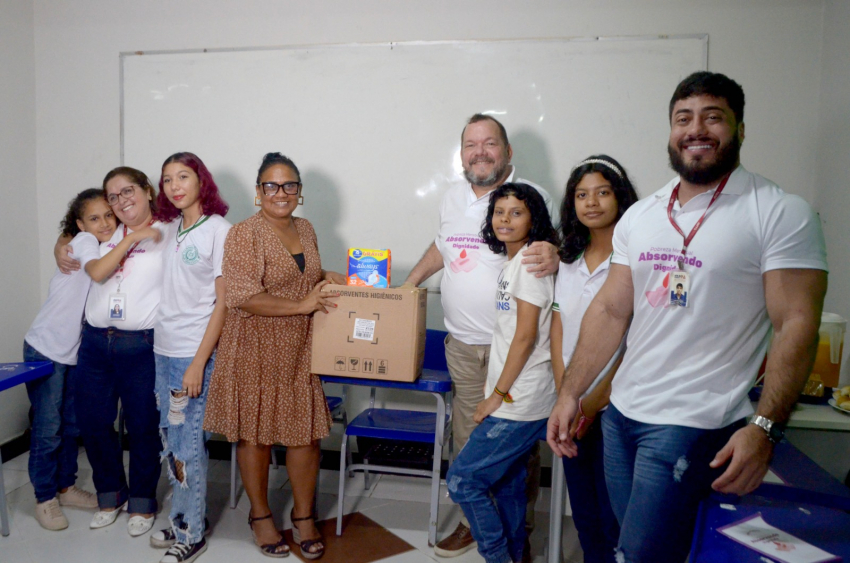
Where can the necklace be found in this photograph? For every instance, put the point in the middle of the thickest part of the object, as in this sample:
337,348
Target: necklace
180,232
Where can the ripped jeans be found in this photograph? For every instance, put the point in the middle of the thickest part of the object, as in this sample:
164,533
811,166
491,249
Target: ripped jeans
657,475
487,480
184,446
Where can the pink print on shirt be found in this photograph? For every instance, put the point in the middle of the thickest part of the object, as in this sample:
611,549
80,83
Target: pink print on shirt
466,262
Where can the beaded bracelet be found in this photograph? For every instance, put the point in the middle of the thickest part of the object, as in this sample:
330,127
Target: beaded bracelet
506,397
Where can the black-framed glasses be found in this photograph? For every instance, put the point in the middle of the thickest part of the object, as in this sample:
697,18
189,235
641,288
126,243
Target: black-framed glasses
289,188
126,192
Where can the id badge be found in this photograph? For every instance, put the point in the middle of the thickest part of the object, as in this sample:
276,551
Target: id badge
117,306
680,286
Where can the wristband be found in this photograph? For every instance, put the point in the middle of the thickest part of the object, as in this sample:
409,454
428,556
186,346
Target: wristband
506,397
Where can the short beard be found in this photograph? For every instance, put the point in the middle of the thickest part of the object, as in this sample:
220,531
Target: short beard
701,174
485,181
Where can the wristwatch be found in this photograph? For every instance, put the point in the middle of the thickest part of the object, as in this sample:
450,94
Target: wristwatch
774,430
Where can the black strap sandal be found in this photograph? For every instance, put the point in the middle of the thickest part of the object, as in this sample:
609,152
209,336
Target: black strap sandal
306,544
269,549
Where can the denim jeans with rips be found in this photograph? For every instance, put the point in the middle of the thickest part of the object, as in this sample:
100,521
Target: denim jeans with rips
53,442
184,448
488,479
657,475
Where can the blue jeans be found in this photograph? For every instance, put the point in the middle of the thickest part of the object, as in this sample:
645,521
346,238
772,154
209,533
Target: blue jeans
113,364
184,446
657,475
487,480
598,529
53,443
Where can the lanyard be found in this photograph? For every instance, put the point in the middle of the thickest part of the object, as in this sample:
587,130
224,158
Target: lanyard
698,224
185,233
120,268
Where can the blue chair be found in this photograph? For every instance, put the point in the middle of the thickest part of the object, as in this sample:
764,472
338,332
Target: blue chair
396,424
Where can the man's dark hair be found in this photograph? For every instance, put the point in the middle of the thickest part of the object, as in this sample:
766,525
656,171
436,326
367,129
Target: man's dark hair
713,84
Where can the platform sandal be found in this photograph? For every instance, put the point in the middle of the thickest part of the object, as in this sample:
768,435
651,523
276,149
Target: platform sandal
306,544
269,549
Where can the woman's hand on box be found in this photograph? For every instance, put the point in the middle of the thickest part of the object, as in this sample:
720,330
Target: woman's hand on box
318,300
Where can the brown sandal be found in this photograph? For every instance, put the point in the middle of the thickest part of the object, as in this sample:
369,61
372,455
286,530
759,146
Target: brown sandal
269,549
306,544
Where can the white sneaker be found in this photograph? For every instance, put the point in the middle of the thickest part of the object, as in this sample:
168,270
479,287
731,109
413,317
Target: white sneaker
103,518
50,515
78,498
139,525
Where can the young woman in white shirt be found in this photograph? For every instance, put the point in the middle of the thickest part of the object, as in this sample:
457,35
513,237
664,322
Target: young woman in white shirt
598,192
520,390
55,336
189,322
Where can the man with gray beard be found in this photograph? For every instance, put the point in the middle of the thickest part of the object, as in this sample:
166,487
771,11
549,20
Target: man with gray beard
470,274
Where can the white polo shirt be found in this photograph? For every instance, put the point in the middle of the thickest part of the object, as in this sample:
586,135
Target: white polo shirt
188,286
534,389
692,366
575,288
470,268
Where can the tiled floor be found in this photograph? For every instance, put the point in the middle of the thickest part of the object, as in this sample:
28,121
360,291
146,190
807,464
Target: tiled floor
398,503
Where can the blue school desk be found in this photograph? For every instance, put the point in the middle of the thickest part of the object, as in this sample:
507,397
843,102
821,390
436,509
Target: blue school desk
812,506
11,375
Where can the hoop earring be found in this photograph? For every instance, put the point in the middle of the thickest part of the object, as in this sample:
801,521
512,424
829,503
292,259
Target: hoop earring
257,201
301,200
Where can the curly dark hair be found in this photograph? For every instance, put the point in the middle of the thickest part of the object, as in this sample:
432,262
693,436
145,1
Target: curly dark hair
574,235
68,226
541,224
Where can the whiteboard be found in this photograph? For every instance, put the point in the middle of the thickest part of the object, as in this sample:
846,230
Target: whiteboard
375,128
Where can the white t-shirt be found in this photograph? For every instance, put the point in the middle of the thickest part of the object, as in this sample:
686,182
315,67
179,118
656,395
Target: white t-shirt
188,286
692,366
575,288
140,282
470,268
534,390
55,332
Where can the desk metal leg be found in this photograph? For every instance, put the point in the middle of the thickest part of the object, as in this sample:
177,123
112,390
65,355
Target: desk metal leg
435,469
4,511
556,512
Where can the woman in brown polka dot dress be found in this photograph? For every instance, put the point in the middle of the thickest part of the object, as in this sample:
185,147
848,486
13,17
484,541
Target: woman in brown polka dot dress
262,391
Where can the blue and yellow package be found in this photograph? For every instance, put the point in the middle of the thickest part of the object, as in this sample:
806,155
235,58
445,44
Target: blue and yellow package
369,267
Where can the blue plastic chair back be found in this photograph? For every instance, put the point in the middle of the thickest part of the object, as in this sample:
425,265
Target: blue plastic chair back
435,350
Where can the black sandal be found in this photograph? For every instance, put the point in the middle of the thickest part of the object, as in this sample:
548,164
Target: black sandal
306,544
269,549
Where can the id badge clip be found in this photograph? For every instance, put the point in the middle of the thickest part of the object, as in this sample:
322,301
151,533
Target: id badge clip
680,286
117,307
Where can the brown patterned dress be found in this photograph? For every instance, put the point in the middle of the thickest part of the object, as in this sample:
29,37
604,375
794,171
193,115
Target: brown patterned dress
262,390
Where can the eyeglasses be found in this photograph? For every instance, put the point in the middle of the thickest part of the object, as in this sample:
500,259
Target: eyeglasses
289,188
126,192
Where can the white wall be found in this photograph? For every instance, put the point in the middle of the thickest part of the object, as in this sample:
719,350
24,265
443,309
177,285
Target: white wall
19,217
833,155
772,47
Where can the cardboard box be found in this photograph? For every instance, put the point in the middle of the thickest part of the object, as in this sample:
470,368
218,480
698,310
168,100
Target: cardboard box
372,334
